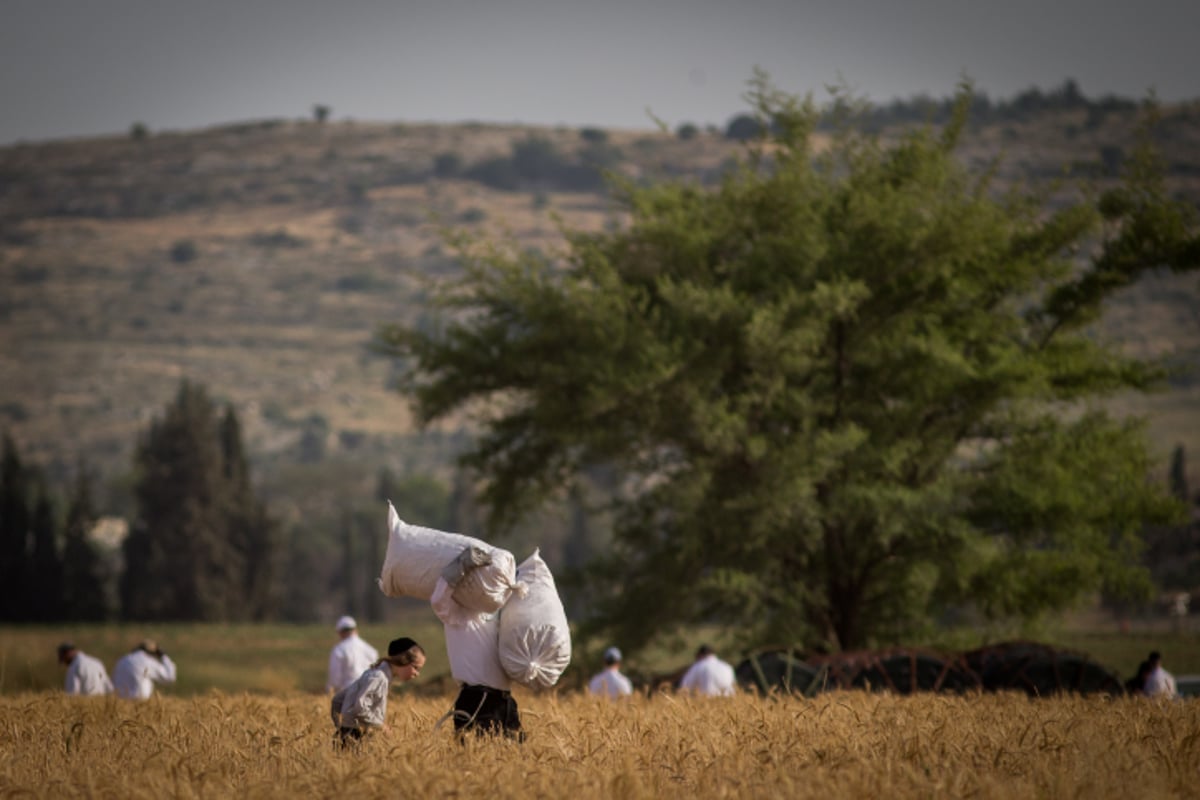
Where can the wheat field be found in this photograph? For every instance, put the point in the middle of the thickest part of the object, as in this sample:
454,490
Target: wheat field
837,745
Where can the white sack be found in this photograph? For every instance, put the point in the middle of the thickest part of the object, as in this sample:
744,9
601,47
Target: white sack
416,556
535,640
487,588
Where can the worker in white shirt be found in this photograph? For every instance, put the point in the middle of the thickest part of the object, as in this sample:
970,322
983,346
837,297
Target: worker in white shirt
609,682
136,672
350,657
708,675
86,674
361,707
1159,682
485,705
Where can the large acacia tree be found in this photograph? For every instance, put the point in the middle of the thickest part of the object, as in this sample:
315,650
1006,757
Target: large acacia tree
848,389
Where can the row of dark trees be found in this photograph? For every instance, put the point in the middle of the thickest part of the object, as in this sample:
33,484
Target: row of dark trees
48,571
202,546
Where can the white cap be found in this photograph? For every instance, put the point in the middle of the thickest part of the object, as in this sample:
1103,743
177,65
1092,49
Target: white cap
612,655
346,624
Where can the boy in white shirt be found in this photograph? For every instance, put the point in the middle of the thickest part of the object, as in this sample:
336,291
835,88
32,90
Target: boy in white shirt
350,657
136,672
609,682
86,674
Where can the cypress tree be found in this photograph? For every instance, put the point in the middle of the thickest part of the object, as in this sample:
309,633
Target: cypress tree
254,534
84,599
1179,479
15,605
45,561
182,562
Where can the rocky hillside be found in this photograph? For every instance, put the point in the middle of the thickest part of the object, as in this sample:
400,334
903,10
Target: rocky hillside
260,258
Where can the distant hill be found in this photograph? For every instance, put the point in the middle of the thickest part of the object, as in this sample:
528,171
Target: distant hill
259,259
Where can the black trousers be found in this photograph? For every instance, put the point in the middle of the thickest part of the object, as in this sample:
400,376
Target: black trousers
347,738
487,711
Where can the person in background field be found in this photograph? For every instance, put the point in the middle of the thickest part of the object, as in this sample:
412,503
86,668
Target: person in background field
86,674
1159,683
609,682
136,672
708,675
350,657
1137,684
361,707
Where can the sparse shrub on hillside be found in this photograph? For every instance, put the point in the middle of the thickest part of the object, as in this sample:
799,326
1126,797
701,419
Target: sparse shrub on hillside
601,156
277,238
687,131
1113,158
743,127
537,163
535,158
352,223
15,411
320,113
312,445
593,135
357,192
498,173
357,282
183,251
447,165
472,216
138,131
31,274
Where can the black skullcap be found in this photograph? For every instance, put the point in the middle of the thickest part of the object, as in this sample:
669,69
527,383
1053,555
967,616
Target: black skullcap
401,645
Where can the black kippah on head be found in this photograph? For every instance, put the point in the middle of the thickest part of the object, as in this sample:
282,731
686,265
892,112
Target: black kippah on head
401,645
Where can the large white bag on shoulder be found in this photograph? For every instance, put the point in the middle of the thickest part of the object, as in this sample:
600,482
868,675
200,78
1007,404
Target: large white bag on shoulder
535,639
417,555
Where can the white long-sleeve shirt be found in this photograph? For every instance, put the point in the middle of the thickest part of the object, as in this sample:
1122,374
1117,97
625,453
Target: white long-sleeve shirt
348,659
472,641
1160,683
87,675
709,675
363,704
610,683
136,673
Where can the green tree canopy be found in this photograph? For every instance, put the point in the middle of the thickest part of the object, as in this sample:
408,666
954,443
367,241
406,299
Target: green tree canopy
846,390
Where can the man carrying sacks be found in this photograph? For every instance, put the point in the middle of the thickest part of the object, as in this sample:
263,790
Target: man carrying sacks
502,623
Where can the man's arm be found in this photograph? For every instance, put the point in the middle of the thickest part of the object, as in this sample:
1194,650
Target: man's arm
164,670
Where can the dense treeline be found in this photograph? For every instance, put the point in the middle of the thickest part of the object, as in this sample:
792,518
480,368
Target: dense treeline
923,109
196,541
202,546
48,572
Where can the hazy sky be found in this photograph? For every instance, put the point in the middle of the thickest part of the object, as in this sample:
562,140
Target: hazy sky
85,67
